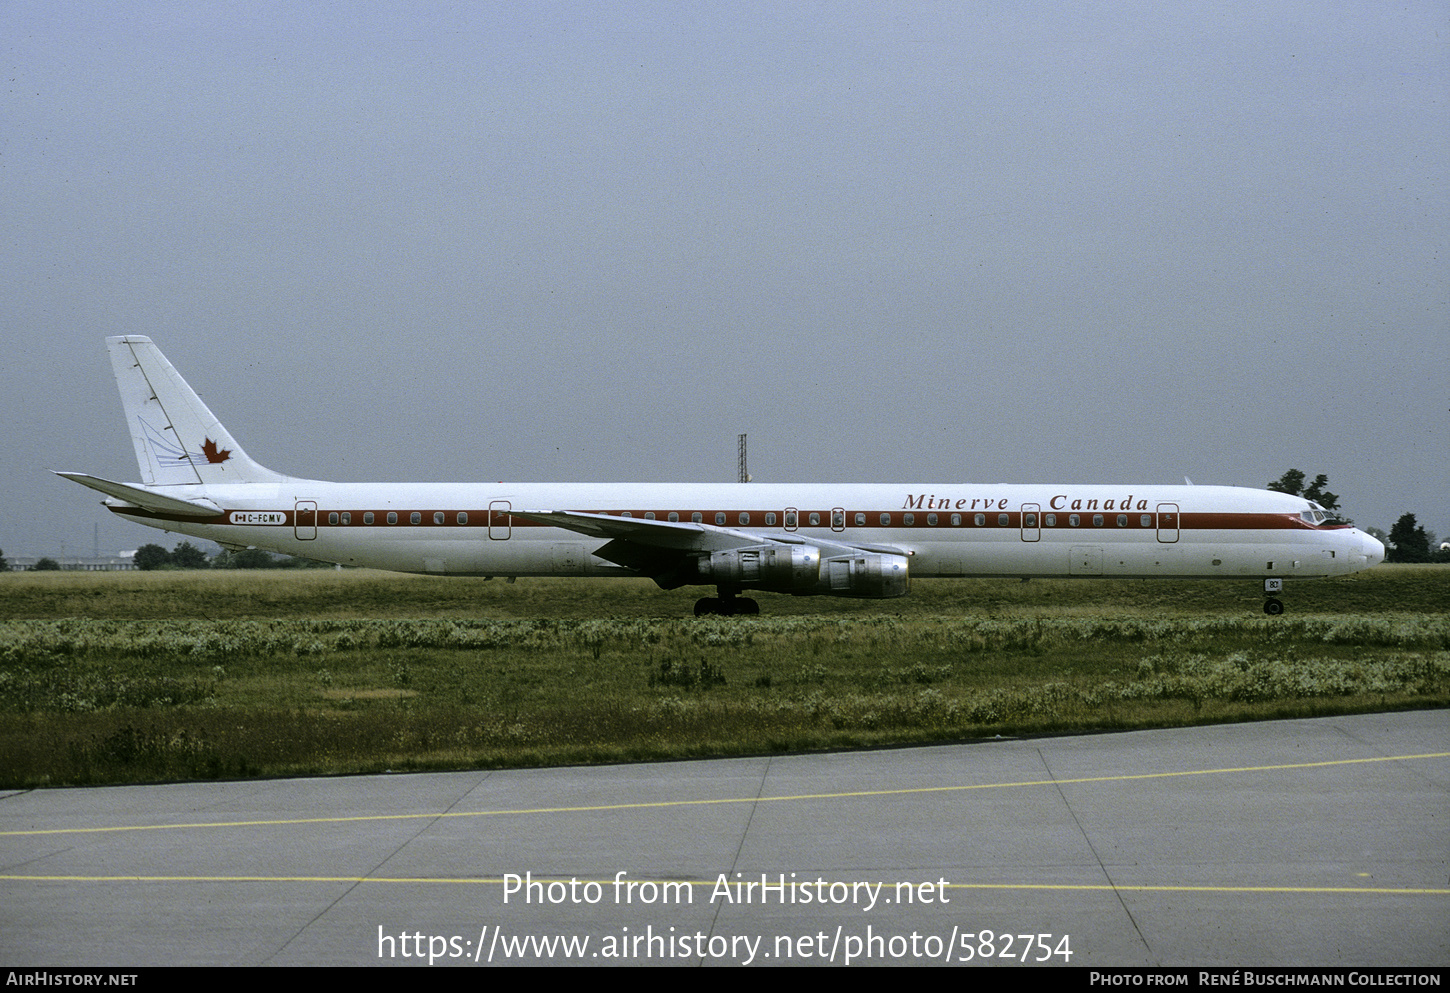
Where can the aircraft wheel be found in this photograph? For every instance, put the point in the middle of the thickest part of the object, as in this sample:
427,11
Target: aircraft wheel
745,605
706,606
1273,607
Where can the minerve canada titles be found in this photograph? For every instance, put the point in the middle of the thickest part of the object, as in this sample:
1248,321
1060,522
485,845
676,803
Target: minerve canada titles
1060,501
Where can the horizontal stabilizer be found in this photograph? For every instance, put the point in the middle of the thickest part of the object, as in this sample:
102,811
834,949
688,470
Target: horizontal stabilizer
145,498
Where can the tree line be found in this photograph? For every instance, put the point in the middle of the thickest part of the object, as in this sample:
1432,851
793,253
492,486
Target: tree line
188,556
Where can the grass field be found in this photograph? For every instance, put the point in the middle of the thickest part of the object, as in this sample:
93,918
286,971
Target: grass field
179,675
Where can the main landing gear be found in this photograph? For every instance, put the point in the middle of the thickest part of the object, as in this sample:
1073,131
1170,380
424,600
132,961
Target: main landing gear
1273,606
725,605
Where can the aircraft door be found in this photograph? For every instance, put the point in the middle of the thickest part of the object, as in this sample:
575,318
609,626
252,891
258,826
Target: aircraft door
1168,522
1031,522
304,520
500,524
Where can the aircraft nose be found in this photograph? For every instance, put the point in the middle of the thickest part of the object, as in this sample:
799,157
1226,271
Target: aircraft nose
1374,550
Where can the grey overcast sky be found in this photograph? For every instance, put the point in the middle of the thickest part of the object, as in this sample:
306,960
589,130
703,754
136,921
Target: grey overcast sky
1068,242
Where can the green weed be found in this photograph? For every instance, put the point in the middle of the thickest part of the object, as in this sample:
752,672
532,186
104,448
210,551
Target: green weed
182,676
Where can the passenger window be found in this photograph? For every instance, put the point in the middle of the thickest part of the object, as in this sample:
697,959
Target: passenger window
885,520
956,520
332,517
462,517
697,517
346,517
931,519
979,520
908,519
1001,520
1049,520
438,517
790,519
1122,520
815,520
720,518
673,517
1097,520
626,513
860,520
649,515
392,517
1029,520
744,518
1073,520
838,520
1145,520
416,517
770,520
367,517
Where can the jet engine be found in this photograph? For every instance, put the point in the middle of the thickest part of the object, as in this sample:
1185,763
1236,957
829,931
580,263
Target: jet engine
780,568
803,571
867,575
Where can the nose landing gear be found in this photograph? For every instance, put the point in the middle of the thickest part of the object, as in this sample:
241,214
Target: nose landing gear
1273,606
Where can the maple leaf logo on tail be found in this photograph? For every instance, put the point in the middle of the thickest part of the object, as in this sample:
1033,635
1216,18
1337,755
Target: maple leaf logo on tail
214,454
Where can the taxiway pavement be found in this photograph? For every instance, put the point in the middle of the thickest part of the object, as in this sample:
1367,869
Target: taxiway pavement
1309,842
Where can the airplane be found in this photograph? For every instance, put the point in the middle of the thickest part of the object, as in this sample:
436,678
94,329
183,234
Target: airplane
847,540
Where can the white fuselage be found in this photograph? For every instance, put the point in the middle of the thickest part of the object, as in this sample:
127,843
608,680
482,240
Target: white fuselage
943,529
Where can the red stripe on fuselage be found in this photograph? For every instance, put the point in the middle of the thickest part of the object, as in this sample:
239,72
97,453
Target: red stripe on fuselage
479,518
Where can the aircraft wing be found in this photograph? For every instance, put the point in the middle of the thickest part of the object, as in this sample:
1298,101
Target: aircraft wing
675,535
683,537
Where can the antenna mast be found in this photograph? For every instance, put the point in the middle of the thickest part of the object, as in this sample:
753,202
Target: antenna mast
744,475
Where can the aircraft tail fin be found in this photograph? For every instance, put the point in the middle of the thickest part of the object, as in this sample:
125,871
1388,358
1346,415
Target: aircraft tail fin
177,439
